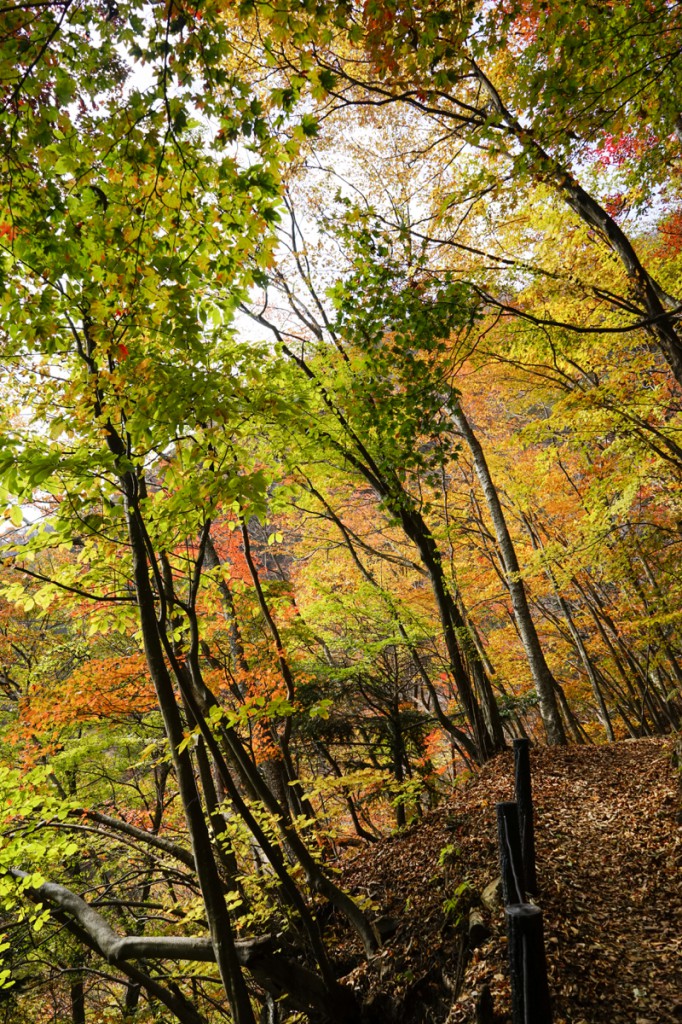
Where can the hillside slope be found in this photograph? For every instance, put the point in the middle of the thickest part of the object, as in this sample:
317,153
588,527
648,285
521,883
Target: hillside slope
609,846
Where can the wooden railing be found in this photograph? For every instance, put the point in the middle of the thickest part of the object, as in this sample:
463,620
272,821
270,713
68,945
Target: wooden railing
516,837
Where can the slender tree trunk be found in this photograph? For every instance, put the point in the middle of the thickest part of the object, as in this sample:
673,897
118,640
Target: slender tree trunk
577,641
273,768
642,692
301,804
397,754
78,1000
389,489
489,741
350,803
542,676
584,656
460,738
579,734
220,926
223,848
663,326
212,561
589,669
200,699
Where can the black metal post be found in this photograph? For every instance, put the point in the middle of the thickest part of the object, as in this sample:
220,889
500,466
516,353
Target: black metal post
528,966
524,799
511,859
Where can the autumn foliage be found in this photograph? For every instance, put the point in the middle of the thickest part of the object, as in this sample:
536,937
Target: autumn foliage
339,446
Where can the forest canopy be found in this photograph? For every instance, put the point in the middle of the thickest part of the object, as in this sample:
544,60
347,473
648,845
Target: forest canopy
340,445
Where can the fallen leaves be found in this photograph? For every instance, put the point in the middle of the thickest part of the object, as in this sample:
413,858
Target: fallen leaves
609,851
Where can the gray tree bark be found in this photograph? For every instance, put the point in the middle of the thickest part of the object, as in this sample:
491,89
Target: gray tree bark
277,973
542,676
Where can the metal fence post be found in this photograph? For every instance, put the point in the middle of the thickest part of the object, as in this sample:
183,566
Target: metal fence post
511,859
524,799
528,966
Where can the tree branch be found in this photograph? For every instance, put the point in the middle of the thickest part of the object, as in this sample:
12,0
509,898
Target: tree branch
116,825
278,974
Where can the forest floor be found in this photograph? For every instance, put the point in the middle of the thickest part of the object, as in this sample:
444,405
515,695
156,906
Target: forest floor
609,854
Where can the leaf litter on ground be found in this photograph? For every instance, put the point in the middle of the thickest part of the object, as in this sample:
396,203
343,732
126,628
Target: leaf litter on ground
609,852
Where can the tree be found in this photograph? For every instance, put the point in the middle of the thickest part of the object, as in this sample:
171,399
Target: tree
177,464
114,310
544,682
483,81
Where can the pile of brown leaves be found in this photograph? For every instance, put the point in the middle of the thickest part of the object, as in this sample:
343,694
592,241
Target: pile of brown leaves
609,848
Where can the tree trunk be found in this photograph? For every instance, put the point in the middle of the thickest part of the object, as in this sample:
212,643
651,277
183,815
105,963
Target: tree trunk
542,677
220,926
200,699
212,561
663,321
589,668
78,1000
489,741
388,488
462,741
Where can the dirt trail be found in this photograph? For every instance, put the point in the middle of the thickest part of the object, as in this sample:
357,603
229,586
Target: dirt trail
609,847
